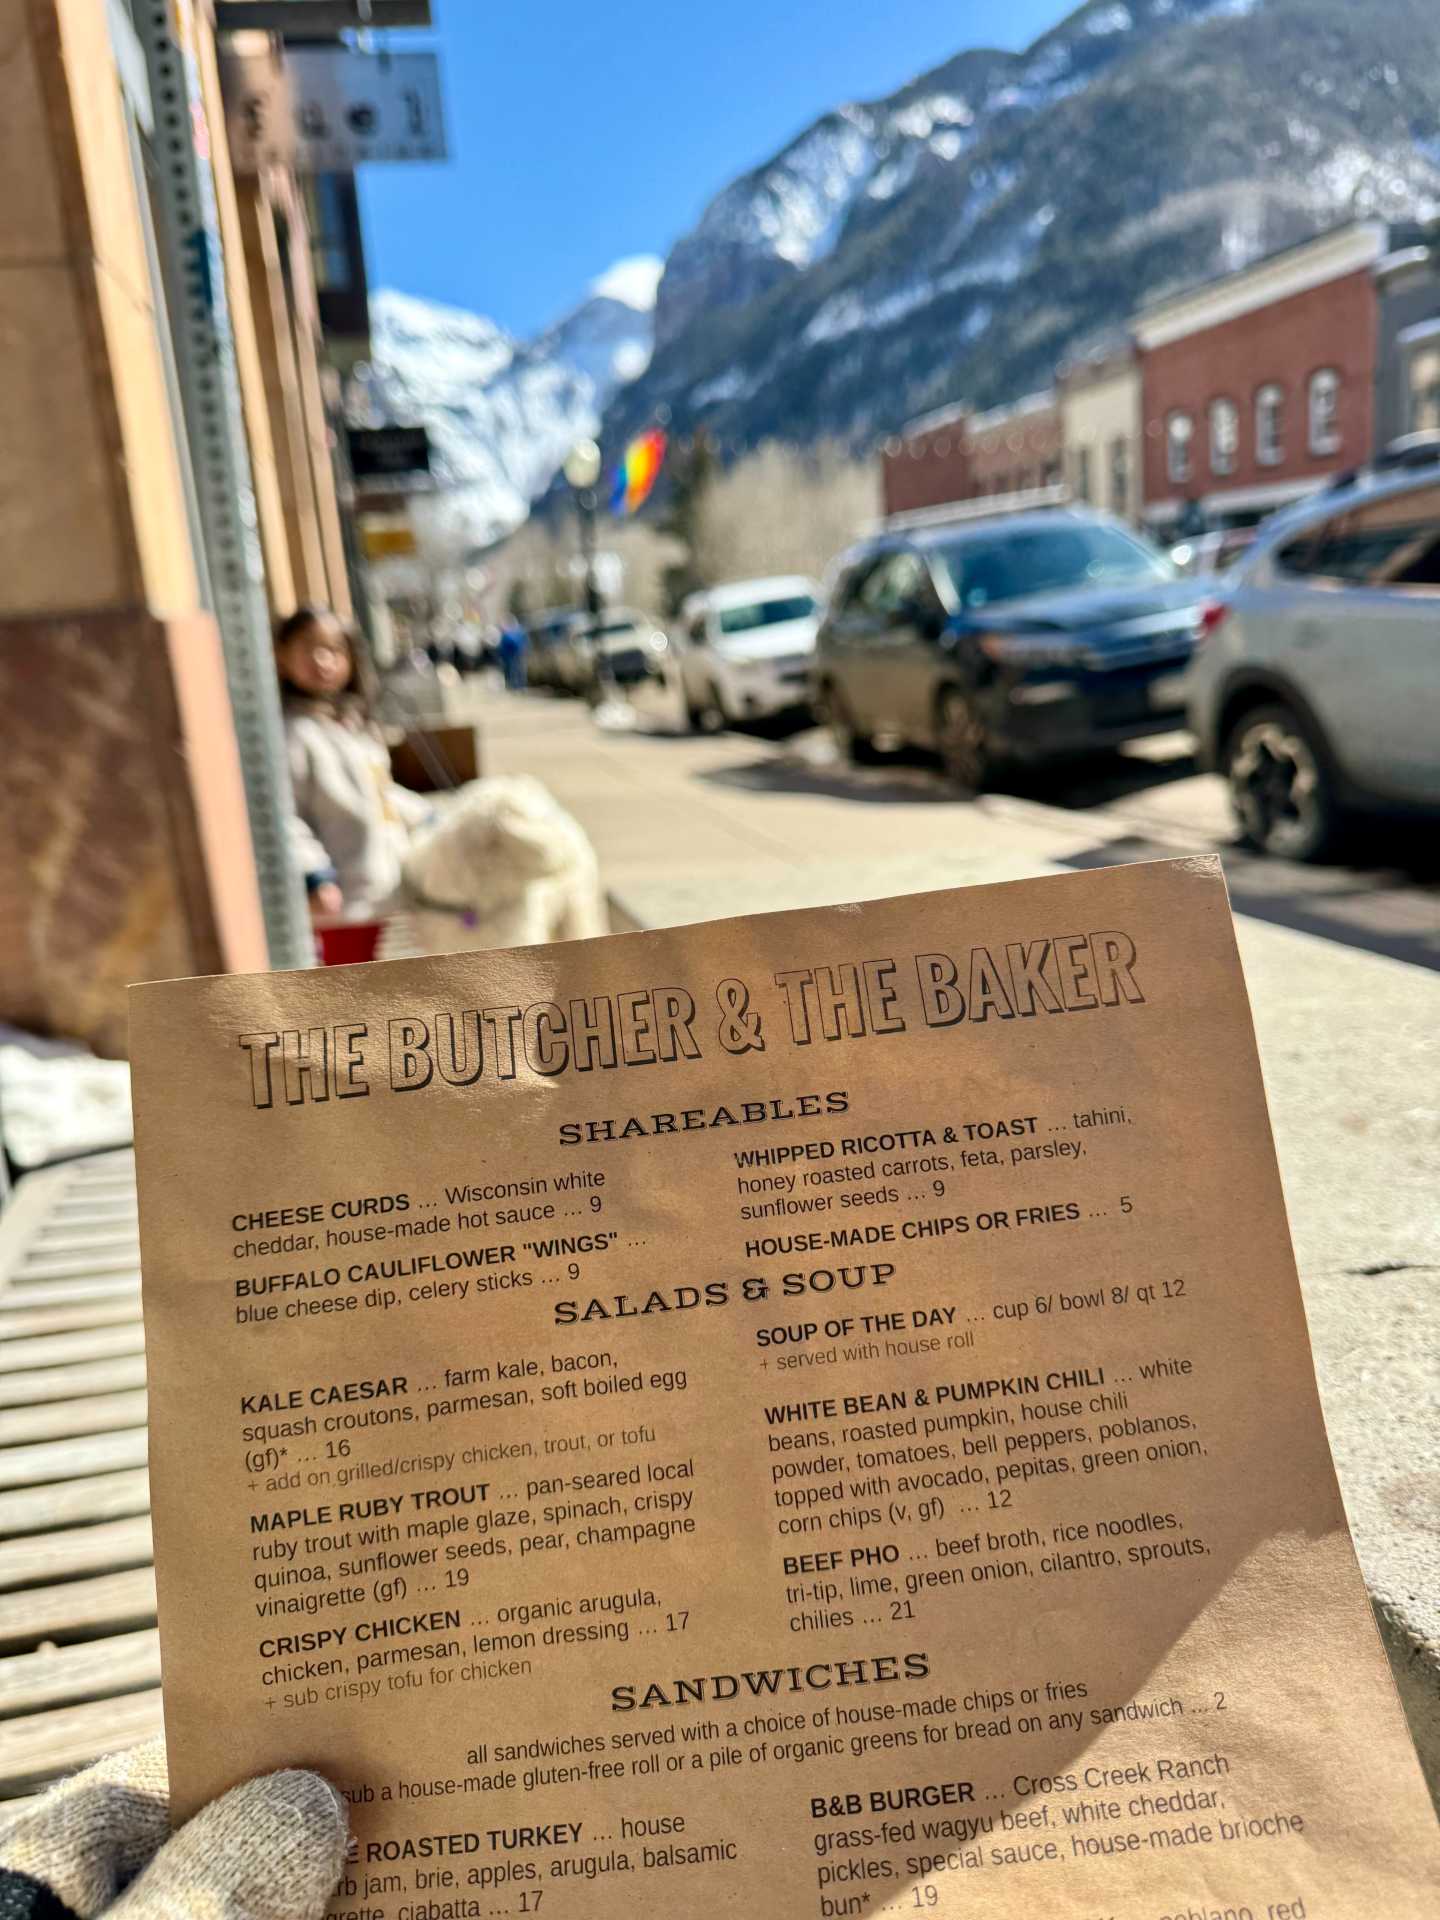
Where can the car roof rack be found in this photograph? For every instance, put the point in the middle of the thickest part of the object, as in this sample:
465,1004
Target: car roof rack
1411,450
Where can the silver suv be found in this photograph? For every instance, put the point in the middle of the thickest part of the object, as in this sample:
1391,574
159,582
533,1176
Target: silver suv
1316,687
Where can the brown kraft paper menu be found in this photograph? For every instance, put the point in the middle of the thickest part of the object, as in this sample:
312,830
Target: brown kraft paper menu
800,1416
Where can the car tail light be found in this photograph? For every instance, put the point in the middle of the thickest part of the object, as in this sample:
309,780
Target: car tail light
1212,615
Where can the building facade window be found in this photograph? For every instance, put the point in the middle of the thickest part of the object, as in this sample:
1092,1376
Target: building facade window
1324,411
1082,474
1425,389
1120,476
1224,436
1179,433
1270,425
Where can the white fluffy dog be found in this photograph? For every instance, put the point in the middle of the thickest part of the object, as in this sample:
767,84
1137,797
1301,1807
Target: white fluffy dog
503,865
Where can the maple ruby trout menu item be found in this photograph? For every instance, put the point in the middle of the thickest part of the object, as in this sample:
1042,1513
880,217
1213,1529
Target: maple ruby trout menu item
800,1416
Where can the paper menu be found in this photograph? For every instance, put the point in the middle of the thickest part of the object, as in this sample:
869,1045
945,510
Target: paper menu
808,1415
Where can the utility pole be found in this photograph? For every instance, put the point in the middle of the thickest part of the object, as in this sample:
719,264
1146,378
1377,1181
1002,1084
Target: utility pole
220,459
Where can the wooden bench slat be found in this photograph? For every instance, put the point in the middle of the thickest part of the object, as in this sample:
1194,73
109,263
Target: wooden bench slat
90,1670
26,1323
101,1496
79,1609
37,1748
68,1459
69,1419
113,1545
88,1343
123,1258
61,1293
44,1384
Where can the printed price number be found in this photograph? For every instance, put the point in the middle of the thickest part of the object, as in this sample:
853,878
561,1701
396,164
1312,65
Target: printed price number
596,1203
530,1898
337,1449
678,1621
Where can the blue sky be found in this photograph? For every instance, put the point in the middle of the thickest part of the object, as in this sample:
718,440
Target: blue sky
585,130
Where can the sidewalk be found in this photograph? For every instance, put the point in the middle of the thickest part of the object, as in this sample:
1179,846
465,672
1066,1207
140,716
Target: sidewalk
699,829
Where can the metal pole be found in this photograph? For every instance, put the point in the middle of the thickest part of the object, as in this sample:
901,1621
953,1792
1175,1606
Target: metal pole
219,452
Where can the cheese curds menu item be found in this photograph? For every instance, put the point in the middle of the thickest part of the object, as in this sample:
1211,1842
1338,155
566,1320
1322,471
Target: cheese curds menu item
794,1417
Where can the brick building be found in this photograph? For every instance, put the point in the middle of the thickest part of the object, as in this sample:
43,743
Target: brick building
1257,387
1016,449
928,465
955,458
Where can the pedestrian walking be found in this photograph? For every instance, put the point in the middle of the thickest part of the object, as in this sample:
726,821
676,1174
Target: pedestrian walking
513,647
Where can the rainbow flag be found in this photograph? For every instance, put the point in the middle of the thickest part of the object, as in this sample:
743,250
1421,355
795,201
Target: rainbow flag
638,471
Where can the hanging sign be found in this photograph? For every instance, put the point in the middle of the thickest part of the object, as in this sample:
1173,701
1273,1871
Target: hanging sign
331,109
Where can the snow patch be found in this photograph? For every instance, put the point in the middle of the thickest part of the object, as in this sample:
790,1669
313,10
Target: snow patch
727,386
853,312
1109,20
948,145
921,117
634,282
896,174
796,207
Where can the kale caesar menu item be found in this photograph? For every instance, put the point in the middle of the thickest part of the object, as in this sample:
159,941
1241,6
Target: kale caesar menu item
800,1416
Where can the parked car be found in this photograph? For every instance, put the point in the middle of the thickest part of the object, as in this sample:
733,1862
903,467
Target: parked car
623,649
1316,689
743,651
1213,552
1039,635
549,635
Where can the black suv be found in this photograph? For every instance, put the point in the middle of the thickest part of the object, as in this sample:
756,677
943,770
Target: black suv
1030,637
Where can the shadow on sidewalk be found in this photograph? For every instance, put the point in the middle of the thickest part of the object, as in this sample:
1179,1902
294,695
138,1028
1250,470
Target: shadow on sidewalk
1381,910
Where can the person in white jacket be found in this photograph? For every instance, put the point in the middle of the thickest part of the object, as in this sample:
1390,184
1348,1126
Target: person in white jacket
352,822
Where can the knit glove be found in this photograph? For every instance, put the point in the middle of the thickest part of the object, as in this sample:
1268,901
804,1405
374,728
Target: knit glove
100,1843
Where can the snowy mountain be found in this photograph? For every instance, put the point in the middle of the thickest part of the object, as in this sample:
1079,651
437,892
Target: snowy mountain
954,239
503,413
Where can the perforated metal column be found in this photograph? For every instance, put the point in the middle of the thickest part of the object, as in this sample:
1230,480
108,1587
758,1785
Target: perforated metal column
214,422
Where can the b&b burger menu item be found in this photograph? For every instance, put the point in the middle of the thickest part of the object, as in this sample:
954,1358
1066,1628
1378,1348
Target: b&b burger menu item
800,1416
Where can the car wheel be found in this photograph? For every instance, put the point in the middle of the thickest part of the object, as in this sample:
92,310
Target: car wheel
852,745
1281,788
965,751
710,716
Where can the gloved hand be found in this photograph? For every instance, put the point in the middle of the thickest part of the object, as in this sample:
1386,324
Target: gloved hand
100,1843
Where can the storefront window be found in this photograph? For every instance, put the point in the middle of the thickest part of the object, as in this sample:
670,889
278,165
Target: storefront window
1179,432
1224,435
1425,389
1324,411
1270,425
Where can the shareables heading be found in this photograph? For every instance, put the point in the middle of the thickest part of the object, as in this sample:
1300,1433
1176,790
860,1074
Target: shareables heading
844,1000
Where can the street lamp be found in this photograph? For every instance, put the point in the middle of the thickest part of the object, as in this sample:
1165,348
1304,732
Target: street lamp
582,470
